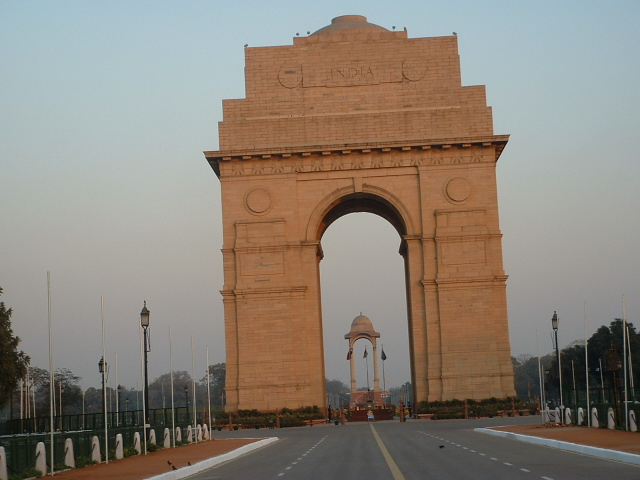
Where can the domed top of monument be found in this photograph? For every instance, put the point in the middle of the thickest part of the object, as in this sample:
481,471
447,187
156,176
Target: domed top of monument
361,325
349,28
349,22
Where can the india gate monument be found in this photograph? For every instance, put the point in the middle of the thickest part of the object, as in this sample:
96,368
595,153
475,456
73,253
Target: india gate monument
358,118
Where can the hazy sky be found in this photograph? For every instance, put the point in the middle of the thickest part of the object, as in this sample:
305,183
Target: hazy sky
106,107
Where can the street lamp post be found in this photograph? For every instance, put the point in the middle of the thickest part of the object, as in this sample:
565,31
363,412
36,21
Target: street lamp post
554,325
102,368
144,322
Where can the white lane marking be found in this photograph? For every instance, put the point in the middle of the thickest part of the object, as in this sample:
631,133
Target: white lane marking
303,455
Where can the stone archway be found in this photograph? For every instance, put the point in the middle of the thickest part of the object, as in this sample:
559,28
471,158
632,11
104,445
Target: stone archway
324,132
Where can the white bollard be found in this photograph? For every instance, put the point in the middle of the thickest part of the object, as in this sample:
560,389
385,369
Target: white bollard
545,416
119,447
166,443
95,449
594,418
136,442
568,417
205,431
152,436
3,465
178,434
580,416
633,426
611,419
41,458
558,415
189,434
198,433
69,458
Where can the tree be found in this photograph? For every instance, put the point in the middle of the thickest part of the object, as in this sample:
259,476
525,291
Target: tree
13,363
217,379
66,386
160,390
609,337
338,392
527,376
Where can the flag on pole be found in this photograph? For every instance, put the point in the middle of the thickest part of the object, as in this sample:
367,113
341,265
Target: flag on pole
349,354
365,353
383,356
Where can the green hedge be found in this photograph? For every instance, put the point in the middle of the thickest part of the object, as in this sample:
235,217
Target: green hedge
455,408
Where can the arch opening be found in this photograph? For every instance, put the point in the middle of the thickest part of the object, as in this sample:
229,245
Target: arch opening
362,203
362,273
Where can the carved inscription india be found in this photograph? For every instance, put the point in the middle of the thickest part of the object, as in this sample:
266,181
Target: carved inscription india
363,72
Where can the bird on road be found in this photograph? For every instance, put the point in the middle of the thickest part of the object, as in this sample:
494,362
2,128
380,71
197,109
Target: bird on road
440,446
173,467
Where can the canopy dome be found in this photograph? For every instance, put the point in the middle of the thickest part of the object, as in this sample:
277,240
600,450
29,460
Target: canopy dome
349,22
361,325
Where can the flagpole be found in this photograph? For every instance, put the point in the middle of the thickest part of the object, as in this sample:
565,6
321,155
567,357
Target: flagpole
366,359
51,384
173,414
542,399
586,363
117,394
630,364
104,389
209,396
193,374
384,379
624,349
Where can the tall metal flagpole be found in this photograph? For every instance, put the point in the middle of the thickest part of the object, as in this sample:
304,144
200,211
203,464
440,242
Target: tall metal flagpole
195,408
586,364
542,402
173,412
209,396
624,350
367,362
633,394
117,394
104,390
383,356
51,385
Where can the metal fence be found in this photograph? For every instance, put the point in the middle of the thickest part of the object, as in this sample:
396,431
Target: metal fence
21,436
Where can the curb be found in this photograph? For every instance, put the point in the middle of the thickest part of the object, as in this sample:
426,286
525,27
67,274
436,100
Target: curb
615,455
212,462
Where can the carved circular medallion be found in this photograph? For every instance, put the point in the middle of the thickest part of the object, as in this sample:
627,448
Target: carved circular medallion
413,70
258,201
290,77
457,190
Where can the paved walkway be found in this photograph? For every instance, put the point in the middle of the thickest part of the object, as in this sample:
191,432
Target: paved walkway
615,445
169,463
190,459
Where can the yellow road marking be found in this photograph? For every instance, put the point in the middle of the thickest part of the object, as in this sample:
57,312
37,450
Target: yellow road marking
395,471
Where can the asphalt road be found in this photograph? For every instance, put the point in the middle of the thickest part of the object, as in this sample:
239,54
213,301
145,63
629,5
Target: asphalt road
413,450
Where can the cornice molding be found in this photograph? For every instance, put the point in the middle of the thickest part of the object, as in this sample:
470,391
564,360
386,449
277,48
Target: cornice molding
273,160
